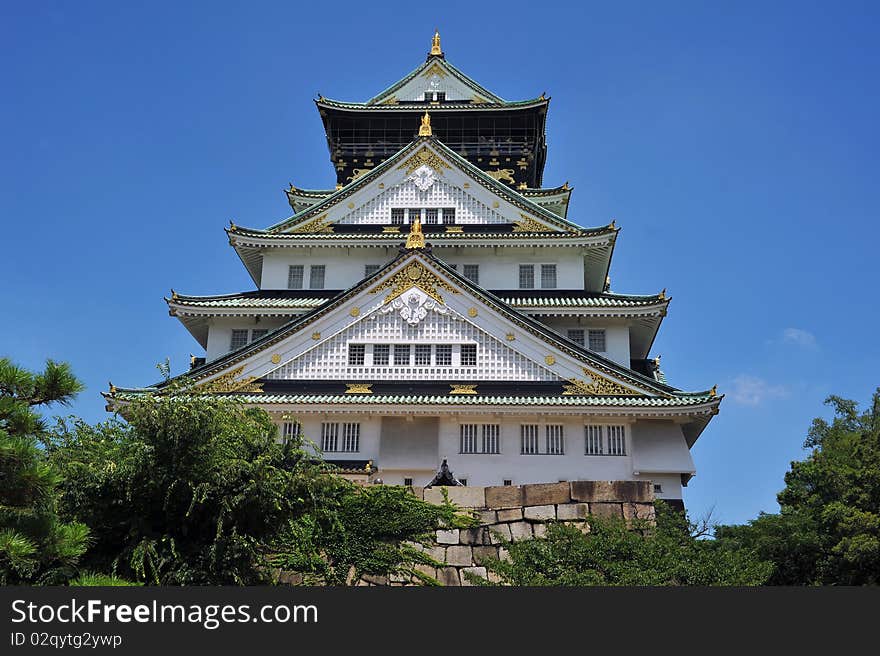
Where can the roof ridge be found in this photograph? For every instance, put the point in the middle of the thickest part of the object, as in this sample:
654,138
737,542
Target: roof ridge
434,61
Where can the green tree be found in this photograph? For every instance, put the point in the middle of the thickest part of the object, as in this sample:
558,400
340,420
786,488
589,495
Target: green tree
828,529
35,545
613,553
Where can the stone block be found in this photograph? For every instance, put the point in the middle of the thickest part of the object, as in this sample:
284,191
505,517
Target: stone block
510,515
503,554
427,570
540,530
539,513
504,496
473,535
583,527
459,555
472,571
606,509
375,580
417,492
520,531
437,553
610,491
487,517
447,536
448,576
499,533
639,511
461,496
483,554
542,494
572,511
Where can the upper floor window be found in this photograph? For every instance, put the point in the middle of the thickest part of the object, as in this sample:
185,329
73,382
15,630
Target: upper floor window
548,276
258,333
471,272
423,354
479,438
291,431
441,96
330,436
429,96
605,440
370,269
526,276
356,354
468,355
397,215
443,355
528,439
555,440
597,340
295,276
401,354
431,216
316,276
239,339
576,335
448,215
414,214
351,437
380,354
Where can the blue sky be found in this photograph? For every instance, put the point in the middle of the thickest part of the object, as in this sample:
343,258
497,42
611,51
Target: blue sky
736,146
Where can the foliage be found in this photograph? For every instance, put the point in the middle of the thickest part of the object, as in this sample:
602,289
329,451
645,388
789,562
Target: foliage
93,579
615,554
35,545
828,528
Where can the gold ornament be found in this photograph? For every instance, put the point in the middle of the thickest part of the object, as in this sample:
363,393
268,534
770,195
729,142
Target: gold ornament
321,224
463,389
358,388
424,157
425,127
414,275
228,383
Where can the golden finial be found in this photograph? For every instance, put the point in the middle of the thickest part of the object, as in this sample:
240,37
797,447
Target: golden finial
425,127
416,239
112,387
663,294
613,224
338,186
192,361
714,391
523,185
292,188
435,44
232,225
174,296
565,187
607,283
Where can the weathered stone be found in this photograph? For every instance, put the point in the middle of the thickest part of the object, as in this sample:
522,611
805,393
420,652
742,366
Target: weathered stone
459,555
427,570
375,580
504,496
499,533
503,554
493,578
592,491
447,536
610,491
540,530
606,509
520,531
473,535
583,527
639,511
437,553
472,571
448,576
539,513
398,578
572,511
510,515
541,494
483,554
487,516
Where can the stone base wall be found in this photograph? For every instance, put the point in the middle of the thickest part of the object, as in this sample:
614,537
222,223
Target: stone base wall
519,512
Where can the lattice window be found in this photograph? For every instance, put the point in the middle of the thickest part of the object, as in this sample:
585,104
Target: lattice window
370,269
597,340
431,216
616,440
443,355
555,439
423,355
356,354
257,333
526,276
295,276
351,438
576,335
239,339
396,215
291,431
401,354
468,433
471,272
468,355
528,439
380,354
491,433
317,273
593,441
448,215
548,276
330,437
441,96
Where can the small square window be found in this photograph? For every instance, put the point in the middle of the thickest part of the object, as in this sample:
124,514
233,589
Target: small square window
468,355
239,339
597,340
658,489
408,482
401,354
397,215
429,96
431,216
441,96
258,334
526,276
380,354
356,354
576,335
423,354
295,276
444,355
316,276
471,272
449,215
463,481
507,481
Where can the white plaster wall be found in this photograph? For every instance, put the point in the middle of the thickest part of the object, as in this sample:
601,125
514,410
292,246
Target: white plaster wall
616,334
220,331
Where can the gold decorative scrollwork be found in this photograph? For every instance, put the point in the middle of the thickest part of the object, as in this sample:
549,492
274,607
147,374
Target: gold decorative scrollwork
227,383
463,389
358,388
600,386
528,224
321,224
414,275
424,157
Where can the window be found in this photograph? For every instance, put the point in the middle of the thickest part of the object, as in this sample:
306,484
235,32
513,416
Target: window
468,433
291,431
415,213
316,276
423,354
295,276
443,355
507,481
468,355
408,482
380,354
490,438
658,489
471,272
448,215
526,276
548,276
397,215
356,354
597,340
429,96
477,438
463,481
529,438
351,437
258,333
329,437
239,339
616,441
593,440
370,269
441,96
401,354
576,335
555,442
431,215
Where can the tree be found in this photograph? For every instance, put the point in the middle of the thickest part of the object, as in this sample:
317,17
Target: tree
828,529
35,545
613,553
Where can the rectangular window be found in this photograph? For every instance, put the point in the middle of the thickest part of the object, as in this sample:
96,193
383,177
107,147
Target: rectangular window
431,215
555,442
423,354
548,276
380,354
356,354
429,96
576,335
490,438
468,433
441,96
593,441
401,354
291,431
239,339
616,441
397,215
370,269
529,438
351,437
463,481
408,482
597,340
507,481
258,333
414,213
658,488
468,355
316,276
329,437
471,272
448,215
526,276
443,355
295,276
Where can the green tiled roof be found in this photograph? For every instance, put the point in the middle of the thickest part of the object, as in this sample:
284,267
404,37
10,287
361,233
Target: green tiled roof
605,301
431,107
240,301
401,236
430,61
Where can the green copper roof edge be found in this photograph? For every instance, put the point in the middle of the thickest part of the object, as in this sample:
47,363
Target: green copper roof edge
535,191
417,106
467,80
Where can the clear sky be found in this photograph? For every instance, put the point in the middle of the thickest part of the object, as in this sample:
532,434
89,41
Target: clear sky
736,146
